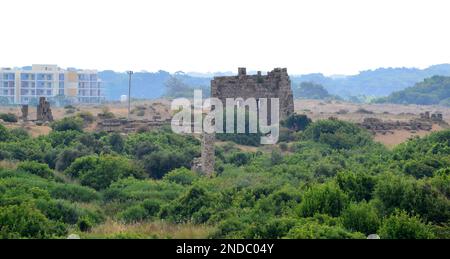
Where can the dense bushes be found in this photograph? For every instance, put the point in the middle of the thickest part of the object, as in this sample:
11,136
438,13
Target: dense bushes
337,134
36,168
8,117
68,123
401,226
181,176
330,181
323,199
99,172
362,217
24,221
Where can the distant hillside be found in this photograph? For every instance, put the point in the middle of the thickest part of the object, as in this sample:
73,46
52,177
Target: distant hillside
144,84
309,90
378,82
434,90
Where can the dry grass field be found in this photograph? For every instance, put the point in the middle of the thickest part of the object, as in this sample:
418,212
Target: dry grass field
158,229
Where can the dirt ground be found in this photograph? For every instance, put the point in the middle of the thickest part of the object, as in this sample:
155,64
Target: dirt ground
315,109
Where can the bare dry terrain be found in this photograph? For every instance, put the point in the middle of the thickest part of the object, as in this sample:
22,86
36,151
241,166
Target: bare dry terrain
318,109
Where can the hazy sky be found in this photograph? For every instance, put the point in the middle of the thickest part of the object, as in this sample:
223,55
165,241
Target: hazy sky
332,37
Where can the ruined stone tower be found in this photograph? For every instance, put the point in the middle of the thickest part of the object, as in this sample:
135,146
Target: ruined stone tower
276,84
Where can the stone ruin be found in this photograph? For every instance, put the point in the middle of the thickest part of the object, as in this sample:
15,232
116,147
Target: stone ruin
424,122
276,84
129,126
24,110
44,112
434,117
378,126
205,164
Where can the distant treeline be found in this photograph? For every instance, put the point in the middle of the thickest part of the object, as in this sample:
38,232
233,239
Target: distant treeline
375,83
434,90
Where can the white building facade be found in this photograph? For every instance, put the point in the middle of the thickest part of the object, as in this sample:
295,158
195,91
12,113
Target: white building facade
25,85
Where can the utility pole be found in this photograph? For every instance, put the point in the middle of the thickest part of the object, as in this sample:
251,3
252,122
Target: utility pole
129,92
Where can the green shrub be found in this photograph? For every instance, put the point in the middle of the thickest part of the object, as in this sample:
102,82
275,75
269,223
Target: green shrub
130,189
58,210
23,221
297,122
87,117
337,134
8,117
413,196
19,133
401,226
133,214
4,134
36,168
325,199
361,217
152,207
99,172
181,176
194,206
75,193
158,163
359,186
315,230
68,123
85,223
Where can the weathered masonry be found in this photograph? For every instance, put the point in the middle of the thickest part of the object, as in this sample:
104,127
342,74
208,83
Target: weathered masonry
276,84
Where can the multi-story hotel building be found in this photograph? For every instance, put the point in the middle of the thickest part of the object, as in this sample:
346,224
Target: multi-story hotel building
23,85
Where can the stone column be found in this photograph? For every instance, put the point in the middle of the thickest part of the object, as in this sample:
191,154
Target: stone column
208,153
24,110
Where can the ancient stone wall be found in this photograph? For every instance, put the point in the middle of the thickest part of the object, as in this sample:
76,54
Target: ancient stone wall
129,126
276,84
378,126
44,112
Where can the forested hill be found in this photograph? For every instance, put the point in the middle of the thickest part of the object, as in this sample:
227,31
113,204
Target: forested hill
434,90
378,82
